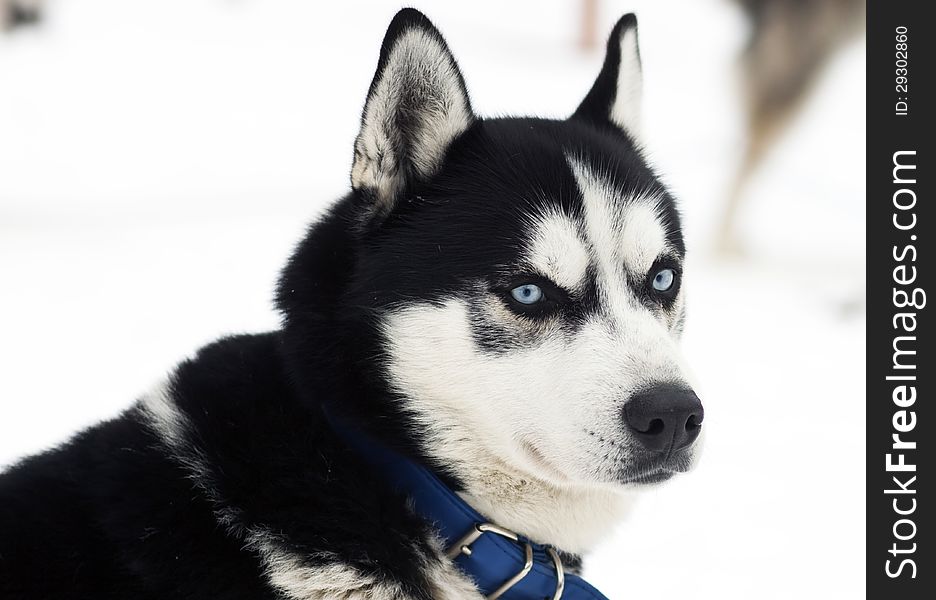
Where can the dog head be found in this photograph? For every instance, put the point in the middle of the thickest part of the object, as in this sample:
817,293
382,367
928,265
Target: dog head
521,278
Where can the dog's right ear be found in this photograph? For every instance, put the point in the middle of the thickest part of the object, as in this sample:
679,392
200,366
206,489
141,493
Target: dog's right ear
416,107
615,97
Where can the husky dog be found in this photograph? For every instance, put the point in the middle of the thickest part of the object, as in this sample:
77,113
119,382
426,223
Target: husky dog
484,328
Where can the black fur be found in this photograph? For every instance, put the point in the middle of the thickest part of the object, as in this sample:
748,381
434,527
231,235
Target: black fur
118,512
596,106
112,514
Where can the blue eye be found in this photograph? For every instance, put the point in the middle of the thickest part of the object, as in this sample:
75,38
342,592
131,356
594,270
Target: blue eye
663,280
527,294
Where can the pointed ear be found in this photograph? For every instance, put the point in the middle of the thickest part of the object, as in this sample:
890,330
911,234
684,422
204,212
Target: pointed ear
416,107
616,95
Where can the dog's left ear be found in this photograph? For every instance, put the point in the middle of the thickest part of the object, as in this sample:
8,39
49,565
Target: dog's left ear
616,95
416,107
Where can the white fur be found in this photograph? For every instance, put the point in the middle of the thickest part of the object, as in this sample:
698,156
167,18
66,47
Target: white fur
558,252
626,232
626,109
447,582
288,573
421,79
164,418
642,237
336,581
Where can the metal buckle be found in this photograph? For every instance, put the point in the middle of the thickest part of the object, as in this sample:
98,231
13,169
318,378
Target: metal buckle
463,546
560,573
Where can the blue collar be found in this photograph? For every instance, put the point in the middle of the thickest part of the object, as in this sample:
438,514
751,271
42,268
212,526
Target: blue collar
493,557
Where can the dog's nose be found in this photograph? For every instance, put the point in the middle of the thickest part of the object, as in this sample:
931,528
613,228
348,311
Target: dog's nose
664,418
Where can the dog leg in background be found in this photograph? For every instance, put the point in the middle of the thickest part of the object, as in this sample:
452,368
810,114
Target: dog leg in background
790,42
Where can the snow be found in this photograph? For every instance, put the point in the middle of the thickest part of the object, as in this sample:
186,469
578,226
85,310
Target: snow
158,160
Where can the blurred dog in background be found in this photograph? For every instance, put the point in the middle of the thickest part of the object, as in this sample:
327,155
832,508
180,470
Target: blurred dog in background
19,12
790,42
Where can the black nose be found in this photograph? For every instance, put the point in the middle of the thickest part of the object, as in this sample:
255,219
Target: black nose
664,418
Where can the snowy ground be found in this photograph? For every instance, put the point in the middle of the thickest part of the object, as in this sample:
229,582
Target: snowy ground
158,159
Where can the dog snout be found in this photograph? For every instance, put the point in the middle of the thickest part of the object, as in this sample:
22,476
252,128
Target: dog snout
664,418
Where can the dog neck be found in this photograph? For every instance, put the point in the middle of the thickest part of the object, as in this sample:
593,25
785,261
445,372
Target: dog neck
571,516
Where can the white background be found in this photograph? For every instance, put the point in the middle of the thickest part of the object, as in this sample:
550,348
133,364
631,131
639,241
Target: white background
159,158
